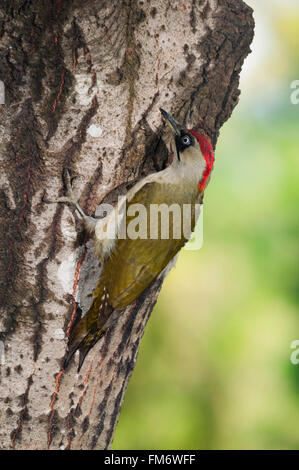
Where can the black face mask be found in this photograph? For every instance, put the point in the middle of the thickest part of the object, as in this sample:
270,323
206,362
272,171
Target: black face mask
183,141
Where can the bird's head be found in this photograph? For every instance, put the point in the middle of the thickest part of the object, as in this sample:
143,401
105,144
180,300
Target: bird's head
192,147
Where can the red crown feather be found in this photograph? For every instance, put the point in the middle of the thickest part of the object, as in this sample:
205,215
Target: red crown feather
208,153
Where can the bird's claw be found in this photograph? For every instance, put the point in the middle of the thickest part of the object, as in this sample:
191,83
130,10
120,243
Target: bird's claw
70,197
69,187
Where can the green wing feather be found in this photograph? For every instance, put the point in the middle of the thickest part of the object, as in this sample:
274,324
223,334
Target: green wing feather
130,268
134,264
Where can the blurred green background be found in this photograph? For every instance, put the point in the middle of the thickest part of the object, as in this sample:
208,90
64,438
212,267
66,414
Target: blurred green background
214,369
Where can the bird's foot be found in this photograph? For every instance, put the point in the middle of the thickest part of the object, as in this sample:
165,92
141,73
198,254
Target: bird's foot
71,198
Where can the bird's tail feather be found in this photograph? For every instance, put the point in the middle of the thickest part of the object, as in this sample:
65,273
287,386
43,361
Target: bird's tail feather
87,332
87,344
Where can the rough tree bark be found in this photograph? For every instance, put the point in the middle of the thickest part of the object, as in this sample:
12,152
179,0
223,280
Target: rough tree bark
83,85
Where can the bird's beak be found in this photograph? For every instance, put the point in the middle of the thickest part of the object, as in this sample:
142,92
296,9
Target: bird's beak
171,122
175,129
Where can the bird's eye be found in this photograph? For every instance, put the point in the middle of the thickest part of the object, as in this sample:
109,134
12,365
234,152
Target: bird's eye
186,140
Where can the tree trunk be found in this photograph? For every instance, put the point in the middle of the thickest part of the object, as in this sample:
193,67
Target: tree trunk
83,85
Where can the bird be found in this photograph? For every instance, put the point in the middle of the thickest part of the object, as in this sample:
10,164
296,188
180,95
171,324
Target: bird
131,263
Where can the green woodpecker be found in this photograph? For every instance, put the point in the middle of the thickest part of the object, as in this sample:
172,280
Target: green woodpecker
130,265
